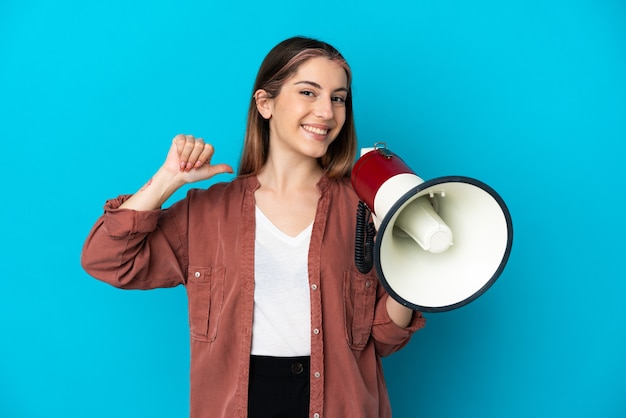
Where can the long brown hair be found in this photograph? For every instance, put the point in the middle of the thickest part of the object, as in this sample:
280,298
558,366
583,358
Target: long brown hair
281,63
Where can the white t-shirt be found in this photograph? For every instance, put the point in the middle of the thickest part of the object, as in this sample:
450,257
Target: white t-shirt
282,310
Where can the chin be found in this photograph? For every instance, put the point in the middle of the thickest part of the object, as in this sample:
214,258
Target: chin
317,151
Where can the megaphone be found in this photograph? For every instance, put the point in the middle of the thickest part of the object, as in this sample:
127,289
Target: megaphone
436,245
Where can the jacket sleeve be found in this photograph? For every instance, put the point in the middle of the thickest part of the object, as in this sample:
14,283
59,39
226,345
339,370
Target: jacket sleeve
135,249
389,337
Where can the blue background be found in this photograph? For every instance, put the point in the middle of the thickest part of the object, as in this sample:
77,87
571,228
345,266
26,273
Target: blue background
528,96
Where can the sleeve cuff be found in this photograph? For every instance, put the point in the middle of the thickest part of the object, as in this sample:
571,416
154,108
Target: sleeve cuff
122,223
390,332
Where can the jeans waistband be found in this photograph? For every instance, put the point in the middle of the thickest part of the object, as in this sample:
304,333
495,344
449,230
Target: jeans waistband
280,366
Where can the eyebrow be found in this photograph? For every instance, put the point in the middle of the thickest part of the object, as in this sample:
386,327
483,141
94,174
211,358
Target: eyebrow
316,85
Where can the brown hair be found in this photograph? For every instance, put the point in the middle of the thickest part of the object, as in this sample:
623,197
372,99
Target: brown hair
281,63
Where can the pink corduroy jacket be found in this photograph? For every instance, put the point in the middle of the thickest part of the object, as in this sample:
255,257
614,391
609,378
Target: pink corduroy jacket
205,242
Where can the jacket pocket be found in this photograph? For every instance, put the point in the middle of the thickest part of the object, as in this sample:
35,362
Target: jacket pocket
205,294
359,294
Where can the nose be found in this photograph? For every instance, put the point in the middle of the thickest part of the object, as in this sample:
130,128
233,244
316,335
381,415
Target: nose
324,108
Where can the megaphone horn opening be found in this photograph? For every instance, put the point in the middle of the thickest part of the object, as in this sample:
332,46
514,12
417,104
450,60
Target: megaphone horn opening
431,281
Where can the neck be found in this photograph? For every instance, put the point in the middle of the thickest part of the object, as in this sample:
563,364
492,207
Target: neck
287,177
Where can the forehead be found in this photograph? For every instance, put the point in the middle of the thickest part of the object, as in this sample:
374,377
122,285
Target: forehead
323,71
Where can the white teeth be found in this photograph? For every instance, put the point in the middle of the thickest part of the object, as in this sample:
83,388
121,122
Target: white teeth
315,130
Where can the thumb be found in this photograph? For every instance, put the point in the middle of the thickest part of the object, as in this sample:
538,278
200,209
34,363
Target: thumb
219,169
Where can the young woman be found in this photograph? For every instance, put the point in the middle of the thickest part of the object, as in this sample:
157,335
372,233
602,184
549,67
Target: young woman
281,322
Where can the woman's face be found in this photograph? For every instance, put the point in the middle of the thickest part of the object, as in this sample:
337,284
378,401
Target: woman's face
309,112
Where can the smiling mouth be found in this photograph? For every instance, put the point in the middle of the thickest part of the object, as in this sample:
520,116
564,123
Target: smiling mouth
315,130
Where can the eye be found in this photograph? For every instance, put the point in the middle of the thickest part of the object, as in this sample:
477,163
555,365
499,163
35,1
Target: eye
339,99
308,93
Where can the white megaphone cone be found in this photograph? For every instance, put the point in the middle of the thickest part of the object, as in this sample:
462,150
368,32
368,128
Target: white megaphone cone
440,243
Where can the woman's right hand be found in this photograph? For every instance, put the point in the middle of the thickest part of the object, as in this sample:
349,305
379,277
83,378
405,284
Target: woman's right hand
188,161
190,158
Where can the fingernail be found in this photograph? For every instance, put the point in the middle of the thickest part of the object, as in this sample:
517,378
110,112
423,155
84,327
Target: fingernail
182,165
189,165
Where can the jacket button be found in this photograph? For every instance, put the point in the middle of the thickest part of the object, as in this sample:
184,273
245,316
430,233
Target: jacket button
197,274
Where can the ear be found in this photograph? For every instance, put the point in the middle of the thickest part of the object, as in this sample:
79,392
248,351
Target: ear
263,103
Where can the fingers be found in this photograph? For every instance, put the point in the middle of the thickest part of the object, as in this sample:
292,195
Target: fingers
193,152
204,156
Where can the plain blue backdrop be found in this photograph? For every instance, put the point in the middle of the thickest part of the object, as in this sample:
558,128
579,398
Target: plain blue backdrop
528,96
